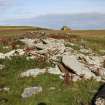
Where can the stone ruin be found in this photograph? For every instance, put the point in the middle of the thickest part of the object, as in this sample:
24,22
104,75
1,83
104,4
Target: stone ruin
73,65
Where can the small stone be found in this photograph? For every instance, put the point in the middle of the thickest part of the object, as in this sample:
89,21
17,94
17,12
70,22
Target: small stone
52,88
2,67
28,92
6,89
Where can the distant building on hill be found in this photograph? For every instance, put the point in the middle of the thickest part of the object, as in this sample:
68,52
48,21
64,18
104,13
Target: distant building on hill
66,29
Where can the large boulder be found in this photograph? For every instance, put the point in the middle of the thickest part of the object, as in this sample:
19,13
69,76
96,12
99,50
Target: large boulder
78,68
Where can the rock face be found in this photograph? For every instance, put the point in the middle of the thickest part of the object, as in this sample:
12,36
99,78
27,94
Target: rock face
28,92
73,64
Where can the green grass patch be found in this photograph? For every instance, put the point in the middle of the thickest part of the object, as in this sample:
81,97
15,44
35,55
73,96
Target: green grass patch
74,94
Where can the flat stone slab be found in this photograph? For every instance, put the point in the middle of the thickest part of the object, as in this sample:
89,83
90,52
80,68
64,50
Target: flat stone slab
73,64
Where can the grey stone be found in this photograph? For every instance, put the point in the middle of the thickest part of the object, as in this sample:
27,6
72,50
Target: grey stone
73,64
28,92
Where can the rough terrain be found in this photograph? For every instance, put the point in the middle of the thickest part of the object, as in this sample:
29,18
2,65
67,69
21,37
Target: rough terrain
54,67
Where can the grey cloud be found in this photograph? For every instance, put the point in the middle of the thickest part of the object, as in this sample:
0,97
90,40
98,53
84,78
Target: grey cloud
4,3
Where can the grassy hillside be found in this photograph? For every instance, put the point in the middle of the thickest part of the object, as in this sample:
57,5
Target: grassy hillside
17,30
94,38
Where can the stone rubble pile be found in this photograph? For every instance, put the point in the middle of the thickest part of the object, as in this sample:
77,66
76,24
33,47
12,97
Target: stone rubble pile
82,64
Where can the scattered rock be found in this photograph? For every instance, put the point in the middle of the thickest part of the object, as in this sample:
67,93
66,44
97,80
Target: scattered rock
2,67
5,89
28,92
17,52
52,88
33,72
2,56
55,71
82,63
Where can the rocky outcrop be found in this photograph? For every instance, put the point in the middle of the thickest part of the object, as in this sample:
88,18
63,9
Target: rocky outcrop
82,64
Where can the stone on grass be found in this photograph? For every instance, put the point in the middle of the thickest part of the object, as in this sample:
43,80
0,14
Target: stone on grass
5,89
2,56
33,72
17,52
2,67
28,92
52,88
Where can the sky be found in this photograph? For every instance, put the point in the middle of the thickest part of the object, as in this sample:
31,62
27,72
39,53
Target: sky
14,9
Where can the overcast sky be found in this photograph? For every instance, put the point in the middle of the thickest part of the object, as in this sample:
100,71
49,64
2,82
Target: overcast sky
12,9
